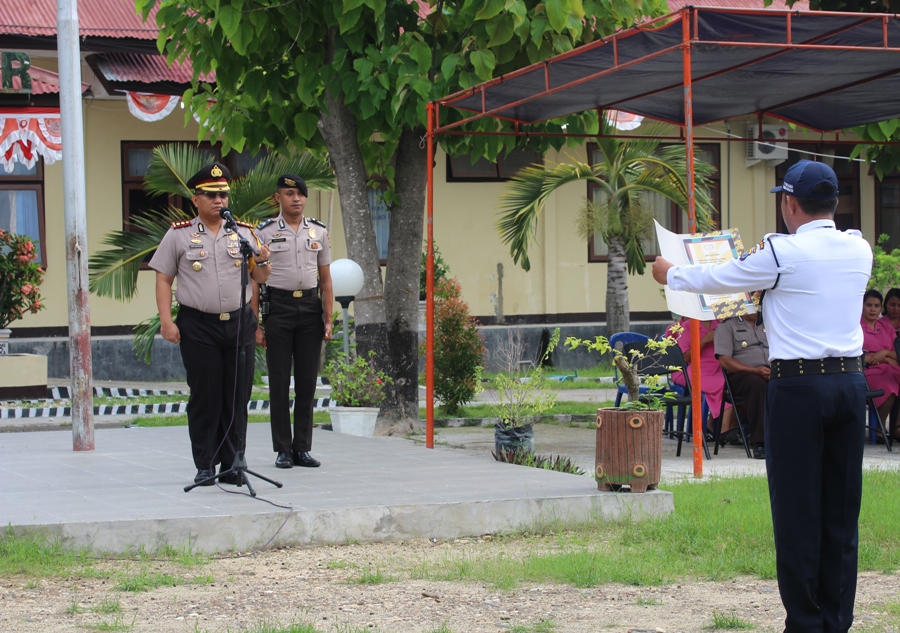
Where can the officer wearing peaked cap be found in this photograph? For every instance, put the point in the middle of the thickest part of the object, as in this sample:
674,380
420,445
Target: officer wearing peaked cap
816,396
297,320
205,257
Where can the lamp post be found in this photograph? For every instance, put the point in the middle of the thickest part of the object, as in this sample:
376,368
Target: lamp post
347,281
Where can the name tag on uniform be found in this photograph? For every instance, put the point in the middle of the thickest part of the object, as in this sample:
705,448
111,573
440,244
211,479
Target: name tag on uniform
278,239
196,245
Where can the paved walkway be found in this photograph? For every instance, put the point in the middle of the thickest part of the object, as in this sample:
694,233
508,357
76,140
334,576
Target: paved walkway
128,492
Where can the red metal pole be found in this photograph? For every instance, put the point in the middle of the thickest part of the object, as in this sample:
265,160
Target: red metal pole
429,287
697,438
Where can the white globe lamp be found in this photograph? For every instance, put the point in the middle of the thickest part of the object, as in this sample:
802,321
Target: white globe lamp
346,280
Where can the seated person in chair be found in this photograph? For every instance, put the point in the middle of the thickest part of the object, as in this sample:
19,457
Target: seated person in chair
743,351
712,383
882,371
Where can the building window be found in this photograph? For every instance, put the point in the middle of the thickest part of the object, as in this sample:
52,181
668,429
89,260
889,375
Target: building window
887,215
462,169
847,214
666,212
22,204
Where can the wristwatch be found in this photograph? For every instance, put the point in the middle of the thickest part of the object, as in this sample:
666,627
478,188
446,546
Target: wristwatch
264,264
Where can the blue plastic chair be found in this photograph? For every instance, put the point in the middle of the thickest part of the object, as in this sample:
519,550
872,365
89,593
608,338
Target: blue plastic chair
619,341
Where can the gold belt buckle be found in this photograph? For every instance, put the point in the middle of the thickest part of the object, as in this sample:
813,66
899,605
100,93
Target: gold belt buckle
224,317
298,293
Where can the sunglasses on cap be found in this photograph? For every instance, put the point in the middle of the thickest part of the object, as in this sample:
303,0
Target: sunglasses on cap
212,195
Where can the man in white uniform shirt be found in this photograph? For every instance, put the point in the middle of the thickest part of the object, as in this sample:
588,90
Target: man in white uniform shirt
814,281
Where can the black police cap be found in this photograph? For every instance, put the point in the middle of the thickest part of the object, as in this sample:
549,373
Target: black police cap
291,181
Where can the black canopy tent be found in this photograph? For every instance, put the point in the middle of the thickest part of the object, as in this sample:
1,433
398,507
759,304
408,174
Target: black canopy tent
821,70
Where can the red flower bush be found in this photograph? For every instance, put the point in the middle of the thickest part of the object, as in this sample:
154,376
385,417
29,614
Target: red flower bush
20,278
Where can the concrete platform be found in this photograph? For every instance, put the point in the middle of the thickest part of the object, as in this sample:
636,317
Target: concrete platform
128,493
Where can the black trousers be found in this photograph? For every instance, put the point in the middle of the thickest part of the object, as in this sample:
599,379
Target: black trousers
752,388
814,450
294,331
217,407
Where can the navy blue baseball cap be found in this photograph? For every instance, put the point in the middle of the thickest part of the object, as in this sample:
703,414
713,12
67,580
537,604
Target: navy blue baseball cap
803,180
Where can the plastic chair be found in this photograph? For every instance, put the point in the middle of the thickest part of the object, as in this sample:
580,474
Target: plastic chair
619,341
657,364
742,426
875,422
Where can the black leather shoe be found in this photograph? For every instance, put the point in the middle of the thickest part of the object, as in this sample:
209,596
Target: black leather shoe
284,460
231,478
305,459
726,436
205,473
759,451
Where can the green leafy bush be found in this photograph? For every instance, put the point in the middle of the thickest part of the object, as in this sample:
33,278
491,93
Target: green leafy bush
458,349
547,462
885,267
356,382
441,270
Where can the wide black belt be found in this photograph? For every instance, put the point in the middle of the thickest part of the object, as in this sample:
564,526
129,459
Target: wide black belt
210,316
293,294
816,366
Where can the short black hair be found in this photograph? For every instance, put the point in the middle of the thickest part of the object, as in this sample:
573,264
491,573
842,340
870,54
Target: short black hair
820,206
893,292
871,292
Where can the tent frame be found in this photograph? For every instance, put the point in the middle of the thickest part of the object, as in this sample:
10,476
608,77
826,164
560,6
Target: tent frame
689,17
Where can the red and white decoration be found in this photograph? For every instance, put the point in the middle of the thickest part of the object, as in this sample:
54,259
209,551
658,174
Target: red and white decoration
623,120
27,134
151,107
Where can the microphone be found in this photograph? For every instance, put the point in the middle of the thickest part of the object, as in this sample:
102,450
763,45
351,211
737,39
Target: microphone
225,214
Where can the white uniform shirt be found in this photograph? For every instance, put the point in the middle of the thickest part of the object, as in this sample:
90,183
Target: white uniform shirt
814,309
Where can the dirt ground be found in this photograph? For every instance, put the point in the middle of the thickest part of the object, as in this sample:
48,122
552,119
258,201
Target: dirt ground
321,586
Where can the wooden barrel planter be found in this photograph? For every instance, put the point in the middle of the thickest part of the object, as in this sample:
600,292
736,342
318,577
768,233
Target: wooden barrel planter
629,449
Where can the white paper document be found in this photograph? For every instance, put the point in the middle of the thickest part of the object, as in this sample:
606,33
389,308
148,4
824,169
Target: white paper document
715,247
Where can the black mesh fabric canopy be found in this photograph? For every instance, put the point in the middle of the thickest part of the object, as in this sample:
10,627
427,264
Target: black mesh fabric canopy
823,71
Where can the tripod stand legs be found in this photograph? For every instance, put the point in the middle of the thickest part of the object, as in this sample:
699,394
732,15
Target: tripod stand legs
240,471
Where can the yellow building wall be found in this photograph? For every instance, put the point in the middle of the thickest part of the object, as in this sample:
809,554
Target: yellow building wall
561,280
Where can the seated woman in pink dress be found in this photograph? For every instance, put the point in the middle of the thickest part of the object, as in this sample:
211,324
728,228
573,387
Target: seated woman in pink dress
882,370
712,383
891,309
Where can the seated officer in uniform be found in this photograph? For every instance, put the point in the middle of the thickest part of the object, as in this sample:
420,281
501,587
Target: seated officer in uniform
206,258
743,351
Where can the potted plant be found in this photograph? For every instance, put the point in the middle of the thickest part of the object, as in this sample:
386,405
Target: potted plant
629,438
358,389
520,393
21,375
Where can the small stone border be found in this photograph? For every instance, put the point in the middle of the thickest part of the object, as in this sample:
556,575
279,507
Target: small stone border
134,409
563,418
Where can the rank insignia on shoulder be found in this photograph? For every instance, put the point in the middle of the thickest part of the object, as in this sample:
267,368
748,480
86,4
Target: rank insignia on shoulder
181,224
315,221
246,225
263,225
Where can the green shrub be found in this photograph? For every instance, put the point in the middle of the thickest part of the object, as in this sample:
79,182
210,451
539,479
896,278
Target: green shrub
547,462
458,349
441,271
356,382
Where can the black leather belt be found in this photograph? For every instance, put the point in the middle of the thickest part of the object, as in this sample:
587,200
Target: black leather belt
210,316
816,366
293,294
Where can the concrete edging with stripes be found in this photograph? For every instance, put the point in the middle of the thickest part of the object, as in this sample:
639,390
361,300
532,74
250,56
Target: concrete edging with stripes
134,409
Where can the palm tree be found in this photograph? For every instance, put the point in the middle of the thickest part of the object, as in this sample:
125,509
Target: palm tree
114,272
628,170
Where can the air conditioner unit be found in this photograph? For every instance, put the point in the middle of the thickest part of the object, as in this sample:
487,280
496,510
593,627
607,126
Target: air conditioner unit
771,146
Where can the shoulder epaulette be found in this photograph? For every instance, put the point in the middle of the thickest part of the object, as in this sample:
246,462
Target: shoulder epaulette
246,225
315,221
181,224
263,225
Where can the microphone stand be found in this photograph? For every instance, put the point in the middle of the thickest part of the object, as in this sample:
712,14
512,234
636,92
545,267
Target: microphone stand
239,465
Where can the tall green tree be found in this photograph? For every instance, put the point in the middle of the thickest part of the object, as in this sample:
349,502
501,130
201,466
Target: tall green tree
353,77
628,169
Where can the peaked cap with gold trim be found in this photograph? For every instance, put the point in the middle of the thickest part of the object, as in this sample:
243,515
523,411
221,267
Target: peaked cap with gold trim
214,177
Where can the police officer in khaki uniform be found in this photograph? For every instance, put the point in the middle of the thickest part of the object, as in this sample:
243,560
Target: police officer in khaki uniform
297,320
206,258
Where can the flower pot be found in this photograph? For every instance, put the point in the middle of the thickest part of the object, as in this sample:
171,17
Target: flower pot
514,438
629,449
354,420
